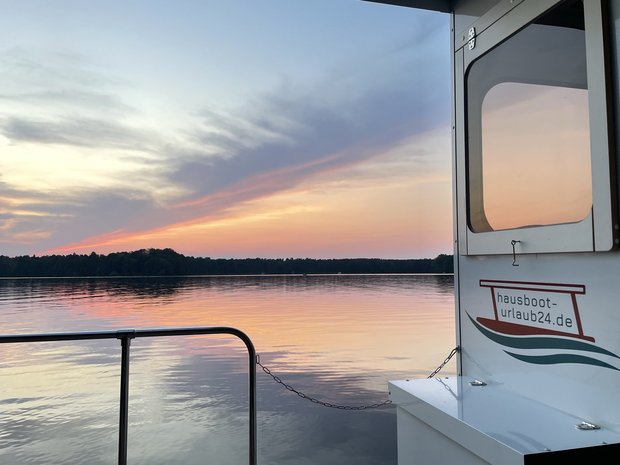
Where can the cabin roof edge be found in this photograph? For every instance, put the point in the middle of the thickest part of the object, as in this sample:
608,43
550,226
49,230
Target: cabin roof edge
435,5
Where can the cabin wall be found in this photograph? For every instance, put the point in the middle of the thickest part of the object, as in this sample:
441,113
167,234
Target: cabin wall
576,293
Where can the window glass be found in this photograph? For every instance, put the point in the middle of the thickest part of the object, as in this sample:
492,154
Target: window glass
529,160
535,155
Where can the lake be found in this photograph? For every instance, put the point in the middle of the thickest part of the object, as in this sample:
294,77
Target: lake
337,338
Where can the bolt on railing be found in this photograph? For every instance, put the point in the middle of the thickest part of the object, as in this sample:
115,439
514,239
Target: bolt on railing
125,337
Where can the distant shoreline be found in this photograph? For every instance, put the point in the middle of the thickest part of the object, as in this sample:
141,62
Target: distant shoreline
168,263
264,275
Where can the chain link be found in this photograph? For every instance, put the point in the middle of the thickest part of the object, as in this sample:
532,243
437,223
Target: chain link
443,364
288,387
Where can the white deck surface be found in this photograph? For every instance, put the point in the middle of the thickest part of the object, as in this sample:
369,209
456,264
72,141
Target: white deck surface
492,422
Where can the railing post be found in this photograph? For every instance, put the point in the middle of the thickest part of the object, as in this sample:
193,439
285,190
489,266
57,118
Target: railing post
123,423
125,337
252,394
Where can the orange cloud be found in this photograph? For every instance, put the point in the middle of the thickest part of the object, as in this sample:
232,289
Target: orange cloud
392,207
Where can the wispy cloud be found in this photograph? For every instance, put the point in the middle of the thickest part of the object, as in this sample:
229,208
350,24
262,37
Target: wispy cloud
287,135
83,132
211,159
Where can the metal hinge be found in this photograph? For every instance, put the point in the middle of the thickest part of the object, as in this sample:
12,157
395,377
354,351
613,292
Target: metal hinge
471,35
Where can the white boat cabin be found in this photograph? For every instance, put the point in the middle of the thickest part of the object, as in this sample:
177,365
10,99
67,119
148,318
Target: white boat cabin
537,264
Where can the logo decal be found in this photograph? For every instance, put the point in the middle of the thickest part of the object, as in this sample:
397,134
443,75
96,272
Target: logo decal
540,316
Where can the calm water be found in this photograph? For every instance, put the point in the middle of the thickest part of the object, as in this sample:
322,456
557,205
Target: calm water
336,338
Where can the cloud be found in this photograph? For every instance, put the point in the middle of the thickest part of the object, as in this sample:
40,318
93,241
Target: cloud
83,132
76,98
218,158
289,134
40,217
41,73
75,103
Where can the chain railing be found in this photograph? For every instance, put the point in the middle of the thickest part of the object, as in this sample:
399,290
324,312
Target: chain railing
125,336
314,400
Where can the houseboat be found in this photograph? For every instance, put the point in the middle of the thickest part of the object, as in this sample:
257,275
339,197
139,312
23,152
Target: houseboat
536,235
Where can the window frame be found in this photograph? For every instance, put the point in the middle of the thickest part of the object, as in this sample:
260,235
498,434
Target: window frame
598,231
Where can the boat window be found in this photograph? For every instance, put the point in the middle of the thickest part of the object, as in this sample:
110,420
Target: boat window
528,151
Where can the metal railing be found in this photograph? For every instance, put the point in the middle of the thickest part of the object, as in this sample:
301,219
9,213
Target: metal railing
125,337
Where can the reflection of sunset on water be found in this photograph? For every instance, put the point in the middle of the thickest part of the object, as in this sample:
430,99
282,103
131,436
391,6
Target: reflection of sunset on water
332,323
535,155
337,338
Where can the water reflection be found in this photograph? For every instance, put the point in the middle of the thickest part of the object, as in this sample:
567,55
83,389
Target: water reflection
337,338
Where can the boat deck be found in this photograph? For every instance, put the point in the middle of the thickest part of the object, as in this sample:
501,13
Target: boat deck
495,424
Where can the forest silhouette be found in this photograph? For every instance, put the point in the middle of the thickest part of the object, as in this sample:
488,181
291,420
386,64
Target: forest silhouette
167,262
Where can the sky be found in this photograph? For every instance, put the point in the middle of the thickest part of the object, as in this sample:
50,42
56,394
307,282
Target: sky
225,128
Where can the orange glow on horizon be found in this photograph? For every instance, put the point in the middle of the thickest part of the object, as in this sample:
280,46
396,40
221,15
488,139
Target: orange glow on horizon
394,207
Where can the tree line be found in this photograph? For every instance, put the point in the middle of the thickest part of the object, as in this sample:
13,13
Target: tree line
167,262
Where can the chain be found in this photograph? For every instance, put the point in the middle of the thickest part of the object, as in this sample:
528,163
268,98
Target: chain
336,406
443,364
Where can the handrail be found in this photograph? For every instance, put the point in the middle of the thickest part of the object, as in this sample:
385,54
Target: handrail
125,337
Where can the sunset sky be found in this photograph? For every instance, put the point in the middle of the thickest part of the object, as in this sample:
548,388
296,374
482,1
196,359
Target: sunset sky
225,128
